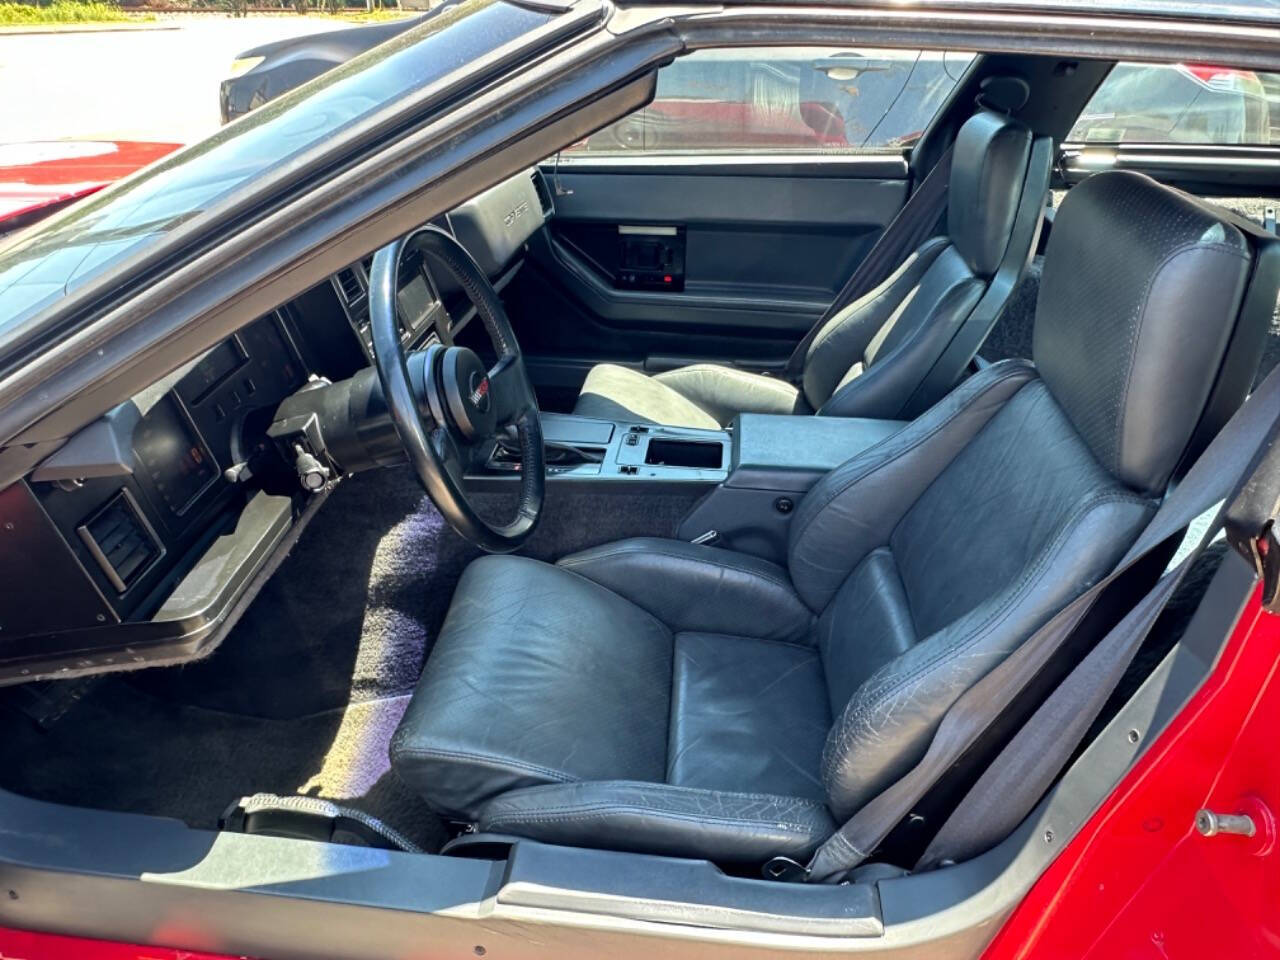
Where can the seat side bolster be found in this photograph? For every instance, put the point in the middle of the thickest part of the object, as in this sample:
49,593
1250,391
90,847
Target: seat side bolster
888,723
843,340
725,827
885,387
696,588
861,501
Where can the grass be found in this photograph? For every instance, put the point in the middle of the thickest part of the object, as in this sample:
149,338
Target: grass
61,11
365,16
14,14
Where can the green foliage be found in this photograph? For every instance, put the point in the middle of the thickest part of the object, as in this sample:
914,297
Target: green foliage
60,11
19,13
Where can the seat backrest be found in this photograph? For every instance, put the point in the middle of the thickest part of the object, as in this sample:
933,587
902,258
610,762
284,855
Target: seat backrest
930,557
868,359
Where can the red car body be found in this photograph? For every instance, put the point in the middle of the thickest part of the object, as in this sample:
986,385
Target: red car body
39,178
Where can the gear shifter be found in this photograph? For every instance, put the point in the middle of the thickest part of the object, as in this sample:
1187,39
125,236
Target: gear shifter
560,454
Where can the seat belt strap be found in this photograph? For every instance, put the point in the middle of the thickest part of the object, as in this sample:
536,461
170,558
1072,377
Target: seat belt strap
1218,474
1020,774
909,228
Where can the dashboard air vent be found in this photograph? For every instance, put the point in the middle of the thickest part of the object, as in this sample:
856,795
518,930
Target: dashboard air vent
349,285
121,541
543,191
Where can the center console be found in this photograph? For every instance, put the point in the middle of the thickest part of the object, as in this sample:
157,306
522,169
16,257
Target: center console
630,454
755,472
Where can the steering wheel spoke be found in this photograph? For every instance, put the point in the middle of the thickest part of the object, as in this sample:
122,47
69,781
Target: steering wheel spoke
454,457
471,404
513,395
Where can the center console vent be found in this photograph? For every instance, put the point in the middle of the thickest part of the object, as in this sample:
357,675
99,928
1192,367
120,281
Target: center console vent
544,193
121,541
349,286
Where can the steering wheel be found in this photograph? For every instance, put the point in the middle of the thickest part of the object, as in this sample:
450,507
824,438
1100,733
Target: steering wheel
443,401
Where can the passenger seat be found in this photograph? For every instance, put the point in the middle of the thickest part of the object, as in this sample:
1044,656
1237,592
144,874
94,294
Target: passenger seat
869,359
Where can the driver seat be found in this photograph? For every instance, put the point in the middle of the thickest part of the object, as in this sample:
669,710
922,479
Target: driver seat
664,697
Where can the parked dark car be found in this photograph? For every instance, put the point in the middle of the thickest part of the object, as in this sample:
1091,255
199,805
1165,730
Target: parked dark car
265,72
1182,103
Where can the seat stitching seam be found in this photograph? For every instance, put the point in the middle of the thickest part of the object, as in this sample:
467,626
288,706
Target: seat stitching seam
420,753
768,578
606,811
794,644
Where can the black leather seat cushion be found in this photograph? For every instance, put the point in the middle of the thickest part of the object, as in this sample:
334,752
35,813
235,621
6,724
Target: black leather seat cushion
538,676
703,395
747,715
542,677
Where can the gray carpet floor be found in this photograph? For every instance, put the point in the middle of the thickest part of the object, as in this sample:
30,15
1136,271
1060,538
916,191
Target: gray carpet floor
304,694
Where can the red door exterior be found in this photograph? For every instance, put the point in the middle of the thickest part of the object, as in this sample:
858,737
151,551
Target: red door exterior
1138,881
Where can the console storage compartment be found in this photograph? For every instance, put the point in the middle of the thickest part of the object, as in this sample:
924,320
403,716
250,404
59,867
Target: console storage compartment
685,453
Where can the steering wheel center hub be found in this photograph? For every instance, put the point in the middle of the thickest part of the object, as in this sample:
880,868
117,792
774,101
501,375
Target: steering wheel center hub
467,393
445,404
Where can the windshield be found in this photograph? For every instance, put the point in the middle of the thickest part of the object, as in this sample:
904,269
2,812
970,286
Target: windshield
1255,10
39,267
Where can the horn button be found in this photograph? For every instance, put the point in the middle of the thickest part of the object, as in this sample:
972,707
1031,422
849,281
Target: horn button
465,380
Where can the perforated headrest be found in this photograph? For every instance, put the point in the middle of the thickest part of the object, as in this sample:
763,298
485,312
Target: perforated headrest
1141,289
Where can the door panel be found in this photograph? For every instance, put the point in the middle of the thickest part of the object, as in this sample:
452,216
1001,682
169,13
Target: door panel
763,255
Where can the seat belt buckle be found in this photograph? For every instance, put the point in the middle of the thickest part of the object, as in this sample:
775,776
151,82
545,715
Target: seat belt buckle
1266,548
1261,549
1251,521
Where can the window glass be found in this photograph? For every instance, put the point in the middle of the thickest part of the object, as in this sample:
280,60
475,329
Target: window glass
1181,103
786,100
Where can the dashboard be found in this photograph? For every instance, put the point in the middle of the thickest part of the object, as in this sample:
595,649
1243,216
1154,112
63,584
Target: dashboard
143,532
423,315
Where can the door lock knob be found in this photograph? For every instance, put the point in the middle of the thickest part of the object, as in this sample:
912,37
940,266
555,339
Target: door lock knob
1210,824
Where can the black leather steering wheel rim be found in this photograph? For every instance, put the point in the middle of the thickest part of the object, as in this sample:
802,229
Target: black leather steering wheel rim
432,442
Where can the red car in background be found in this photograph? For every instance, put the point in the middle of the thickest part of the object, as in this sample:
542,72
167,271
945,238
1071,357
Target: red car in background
40,178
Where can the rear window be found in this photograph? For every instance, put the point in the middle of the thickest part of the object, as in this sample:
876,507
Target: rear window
767,100
1182,103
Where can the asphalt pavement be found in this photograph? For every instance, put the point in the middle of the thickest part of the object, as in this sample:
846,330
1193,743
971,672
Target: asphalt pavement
150,82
